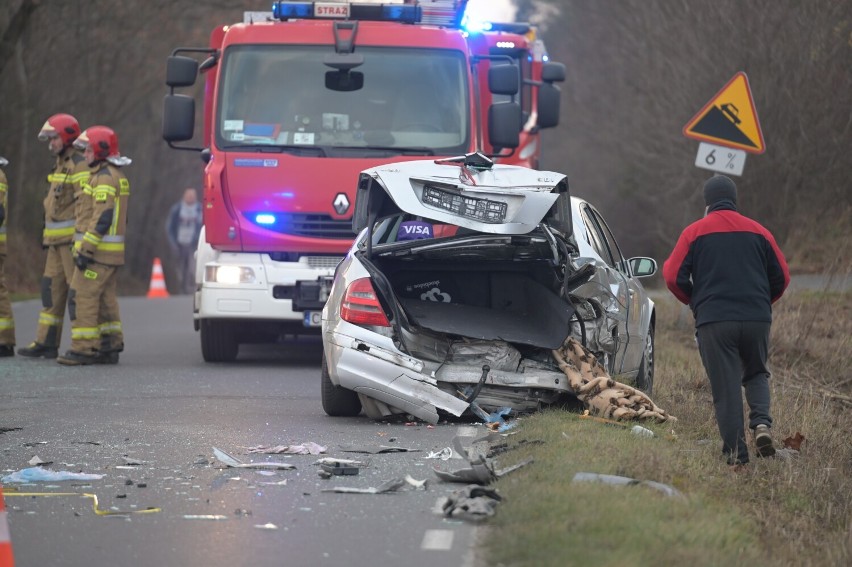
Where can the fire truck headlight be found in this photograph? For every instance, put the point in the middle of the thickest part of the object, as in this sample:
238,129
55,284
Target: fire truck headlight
230,275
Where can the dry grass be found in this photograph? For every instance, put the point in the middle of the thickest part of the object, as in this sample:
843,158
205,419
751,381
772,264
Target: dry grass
776,512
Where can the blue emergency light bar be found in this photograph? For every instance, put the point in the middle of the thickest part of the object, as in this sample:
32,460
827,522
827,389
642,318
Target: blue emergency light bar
406,14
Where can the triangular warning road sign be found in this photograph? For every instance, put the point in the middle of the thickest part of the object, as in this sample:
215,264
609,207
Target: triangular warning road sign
729,119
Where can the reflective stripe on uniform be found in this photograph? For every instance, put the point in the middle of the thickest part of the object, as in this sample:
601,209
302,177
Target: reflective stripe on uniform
112,243
62,228
78,237
110,328
92,238
83,333
6,324
80,177
49,320
59,178
60,224
101,192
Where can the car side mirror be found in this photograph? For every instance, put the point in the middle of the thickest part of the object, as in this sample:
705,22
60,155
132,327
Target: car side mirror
642,267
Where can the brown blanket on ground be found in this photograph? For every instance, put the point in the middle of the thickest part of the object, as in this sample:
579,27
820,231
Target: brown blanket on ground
602,395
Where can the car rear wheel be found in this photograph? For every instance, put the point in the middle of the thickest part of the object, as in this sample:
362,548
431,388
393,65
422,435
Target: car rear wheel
645,378
337,401
218,341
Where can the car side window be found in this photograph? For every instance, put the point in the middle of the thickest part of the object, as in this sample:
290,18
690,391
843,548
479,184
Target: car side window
594,235
611,242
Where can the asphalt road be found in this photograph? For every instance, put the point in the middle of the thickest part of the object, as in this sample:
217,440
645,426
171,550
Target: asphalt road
163,407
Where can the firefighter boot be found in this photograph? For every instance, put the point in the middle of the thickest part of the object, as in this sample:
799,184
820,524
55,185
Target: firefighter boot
35,350
72,358
6,350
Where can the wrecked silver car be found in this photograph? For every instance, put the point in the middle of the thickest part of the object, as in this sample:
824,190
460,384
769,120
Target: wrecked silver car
464,277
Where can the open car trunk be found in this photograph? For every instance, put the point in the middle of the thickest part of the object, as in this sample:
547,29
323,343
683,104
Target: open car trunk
507,301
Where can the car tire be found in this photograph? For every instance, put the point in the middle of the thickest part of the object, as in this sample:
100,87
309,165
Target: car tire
337,401
645,377
218,341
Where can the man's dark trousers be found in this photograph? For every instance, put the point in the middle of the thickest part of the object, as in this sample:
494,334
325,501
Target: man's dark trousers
734,355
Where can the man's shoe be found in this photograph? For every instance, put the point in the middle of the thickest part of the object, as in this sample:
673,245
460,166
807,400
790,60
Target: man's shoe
108,357
36,350
7,350
763,441
71,358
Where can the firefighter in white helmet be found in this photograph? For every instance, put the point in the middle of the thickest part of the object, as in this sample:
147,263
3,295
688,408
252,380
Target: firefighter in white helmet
65,183
7,322
96,332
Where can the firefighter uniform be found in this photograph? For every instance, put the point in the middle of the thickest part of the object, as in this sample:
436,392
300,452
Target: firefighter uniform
65,180
7,323
95,319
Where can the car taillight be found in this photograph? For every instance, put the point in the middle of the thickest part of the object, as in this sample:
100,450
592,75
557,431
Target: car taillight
360,306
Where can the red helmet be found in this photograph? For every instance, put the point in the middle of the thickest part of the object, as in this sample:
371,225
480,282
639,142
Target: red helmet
63,125
102,140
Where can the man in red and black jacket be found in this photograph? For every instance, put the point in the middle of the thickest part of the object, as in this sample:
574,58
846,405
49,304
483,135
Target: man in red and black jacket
729,270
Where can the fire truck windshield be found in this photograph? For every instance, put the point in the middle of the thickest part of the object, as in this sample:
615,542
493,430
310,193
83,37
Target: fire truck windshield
411,100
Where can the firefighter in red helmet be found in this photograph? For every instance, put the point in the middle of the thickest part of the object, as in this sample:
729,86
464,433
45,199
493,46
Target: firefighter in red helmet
96,333
7,322
65,183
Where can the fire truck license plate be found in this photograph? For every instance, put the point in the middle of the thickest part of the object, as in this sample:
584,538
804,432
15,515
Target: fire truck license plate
313,318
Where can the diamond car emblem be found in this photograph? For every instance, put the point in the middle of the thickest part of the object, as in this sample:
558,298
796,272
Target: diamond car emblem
341,203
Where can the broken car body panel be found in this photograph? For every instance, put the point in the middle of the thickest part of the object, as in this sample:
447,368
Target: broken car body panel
503,270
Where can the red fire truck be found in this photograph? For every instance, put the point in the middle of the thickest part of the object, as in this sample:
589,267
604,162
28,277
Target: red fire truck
297,102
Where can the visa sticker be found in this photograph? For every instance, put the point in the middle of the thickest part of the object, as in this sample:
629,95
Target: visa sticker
255,162
413,230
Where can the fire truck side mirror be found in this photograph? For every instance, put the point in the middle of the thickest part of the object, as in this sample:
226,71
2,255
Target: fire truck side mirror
553,72
181,71
503,79
178,118
548,105
504,125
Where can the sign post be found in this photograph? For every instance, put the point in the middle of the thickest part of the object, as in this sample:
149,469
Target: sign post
728,127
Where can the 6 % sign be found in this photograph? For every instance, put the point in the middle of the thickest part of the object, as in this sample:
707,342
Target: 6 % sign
720,158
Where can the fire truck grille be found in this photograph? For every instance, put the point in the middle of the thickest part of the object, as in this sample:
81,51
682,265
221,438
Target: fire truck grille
307,225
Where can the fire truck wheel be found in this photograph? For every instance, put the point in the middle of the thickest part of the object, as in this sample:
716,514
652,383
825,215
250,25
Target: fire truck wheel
218,341
337,401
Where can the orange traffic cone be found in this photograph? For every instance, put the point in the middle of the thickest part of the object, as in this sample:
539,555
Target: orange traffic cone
6,558
158,283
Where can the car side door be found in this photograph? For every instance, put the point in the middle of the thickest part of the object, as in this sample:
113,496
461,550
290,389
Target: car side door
613,282
636,294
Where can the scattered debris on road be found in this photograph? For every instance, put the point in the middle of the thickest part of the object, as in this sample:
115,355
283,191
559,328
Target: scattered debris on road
473,502
93,497
392,485
233,462
41,474
308,448
376,450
